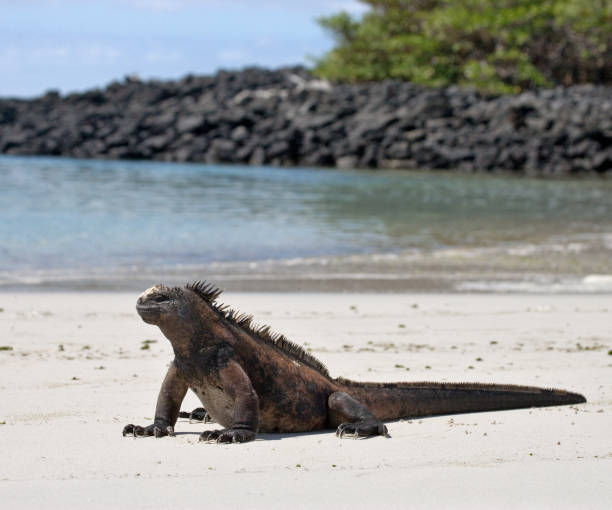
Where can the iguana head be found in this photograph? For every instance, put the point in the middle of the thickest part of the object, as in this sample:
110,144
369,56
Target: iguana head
184,315
158,305
176,312
181,314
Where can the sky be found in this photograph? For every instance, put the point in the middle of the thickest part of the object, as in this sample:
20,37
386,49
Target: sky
70,45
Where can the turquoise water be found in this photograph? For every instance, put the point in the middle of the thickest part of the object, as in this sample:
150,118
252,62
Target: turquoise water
75,217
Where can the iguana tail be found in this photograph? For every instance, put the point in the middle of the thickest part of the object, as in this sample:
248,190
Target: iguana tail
391,401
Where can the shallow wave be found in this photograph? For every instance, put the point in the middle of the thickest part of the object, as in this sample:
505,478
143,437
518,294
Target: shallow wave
510,269
592,284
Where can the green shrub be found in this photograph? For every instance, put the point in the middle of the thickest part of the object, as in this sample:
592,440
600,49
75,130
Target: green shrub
496,46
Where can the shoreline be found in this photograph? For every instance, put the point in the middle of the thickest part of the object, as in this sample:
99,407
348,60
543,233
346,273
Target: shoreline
64,407
280,277
515,269
593,284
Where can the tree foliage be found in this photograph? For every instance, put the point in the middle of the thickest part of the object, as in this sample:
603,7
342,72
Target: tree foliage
495,45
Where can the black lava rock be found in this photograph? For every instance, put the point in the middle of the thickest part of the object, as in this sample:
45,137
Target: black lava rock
287,117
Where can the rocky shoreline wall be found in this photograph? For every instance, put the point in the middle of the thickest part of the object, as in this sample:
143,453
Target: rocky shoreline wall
285,117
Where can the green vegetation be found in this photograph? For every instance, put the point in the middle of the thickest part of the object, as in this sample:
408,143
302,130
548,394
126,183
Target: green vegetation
146,344
501,46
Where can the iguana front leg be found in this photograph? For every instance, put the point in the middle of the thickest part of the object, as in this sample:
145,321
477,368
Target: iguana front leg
352,417
237,385
171,395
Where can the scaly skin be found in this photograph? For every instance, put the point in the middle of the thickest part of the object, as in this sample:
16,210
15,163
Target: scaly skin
251,380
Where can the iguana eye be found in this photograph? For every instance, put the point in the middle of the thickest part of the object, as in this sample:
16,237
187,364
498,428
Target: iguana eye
160,299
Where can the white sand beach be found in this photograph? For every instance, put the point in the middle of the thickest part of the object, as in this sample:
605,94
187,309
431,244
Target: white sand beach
73,372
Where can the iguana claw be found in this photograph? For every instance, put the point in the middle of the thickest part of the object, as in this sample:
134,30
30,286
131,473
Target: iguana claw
228,435
156,430
211,435
363,428
130,430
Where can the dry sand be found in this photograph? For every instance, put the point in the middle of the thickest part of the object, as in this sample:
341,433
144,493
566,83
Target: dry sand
77,374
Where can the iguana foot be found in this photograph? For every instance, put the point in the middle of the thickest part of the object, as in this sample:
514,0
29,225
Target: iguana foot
211,435
155,429
363,428
228,435
198,414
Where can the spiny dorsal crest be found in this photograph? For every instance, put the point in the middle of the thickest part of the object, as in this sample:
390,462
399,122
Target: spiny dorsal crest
206,291
210,293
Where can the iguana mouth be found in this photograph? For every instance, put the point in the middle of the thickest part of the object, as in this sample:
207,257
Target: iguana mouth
148,312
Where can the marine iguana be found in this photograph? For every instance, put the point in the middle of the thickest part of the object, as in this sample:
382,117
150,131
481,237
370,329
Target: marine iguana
250,379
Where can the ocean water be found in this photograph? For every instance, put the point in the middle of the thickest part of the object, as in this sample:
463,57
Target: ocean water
82,223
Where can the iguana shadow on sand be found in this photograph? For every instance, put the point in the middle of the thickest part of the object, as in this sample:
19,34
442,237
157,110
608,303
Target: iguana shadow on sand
250,379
